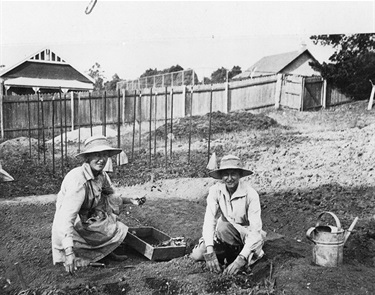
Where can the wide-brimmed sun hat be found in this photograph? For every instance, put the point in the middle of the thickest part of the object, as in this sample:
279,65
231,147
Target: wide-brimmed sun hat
98,143
230,162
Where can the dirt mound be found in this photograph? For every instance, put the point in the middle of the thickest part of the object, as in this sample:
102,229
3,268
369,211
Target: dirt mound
220,123
19,146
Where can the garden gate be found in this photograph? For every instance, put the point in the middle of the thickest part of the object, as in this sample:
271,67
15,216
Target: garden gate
312,93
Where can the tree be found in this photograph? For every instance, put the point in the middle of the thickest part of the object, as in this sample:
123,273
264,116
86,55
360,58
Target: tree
219,76
97,74
150,72
222,75
351,65
112,85
235,71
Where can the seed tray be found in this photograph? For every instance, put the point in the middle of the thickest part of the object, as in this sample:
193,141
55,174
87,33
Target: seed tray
151,243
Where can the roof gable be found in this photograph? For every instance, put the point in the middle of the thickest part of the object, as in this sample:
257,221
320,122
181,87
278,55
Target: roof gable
275,63
45,62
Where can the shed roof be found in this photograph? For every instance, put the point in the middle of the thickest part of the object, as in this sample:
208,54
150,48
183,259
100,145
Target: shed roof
274,64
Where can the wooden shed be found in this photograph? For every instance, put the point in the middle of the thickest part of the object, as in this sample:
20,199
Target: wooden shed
46,72
294,63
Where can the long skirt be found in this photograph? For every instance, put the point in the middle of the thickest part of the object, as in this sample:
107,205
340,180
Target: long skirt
89,252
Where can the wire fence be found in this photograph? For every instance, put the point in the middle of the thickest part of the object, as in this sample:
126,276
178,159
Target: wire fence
140,119
184,77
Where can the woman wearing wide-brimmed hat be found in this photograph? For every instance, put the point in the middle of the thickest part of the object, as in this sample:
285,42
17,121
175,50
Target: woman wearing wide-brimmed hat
232,229
86,227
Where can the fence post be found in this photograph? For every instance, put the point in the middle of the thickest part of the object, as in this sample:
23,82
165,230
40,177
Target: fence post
324,94
279,84
302,96
1,108
227,102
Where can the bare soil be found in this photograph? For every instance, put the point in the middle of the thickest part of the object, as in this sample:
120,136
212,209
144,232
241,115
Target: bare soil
304,163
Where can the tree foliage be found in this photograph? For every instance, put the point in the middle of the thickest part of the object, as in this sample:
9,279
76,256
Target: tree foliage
351,66
97,74
220,75
112,85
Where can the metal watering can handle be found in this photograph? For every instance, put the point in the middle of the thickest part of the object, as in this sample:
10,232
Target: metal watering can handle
308,234
338,224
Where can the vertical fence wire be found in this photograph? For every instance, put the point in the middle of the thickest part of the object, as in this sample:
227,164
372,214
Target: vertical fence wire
171,133
43,133
79,121
66,129
140,123
90,107
209,128
150,130
190,122
134,114
29,115
166,127
104,119
155,107
118,118
53,136
38,119
61,136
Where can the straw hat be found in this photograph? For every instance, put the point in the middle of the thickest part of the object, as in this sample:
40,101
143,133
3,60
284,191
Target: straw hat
98,143
230,162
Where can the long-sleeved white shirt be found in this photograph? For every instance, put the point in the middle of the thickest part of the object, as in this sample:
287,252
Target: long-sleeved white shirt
242,210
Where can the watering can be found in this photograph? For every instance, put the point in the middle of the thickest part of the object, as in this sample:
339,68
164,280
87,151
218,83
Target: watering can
329,241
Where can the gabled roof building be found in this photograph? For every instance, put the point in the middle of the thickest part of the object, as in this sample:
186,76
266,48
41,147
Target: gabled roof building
295,62
46,72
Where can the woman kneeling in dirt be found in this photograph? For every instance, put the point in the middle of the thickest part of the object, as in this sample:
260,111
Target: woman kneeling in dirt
85,227
232,228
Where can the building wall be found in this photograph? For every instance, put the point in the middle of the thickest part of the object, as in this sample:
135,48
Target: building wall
300,66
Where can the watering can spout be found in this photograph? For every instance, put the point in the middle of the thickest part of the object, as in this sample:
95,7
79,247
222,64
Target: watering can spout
349,231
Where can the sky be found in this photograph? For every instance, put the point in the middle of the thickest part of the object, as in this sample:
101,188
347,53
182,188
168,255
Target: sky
128,37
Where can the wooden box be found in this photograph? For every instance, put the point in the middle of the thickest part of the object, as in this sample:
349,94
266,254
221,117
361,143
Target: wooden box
148,241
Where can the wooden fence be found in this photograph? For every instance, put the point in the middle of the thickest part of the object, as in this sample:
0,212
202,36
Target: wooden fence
27,115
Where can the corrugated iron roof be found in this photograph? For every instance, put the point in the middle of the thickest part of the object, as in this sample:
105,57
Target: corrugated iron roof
272,64
275,63
37,70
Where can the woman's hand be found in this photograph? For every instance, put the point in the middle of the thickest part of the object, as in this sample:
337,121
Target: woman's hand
235,266
211,260
138,201
70,263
